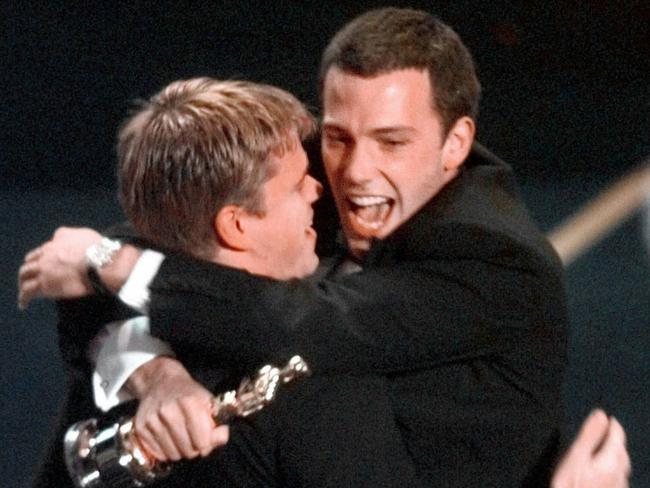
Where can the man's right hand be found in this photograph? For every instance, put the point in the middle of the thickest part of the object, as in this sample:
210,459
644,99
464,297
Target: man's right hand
598,458
174,418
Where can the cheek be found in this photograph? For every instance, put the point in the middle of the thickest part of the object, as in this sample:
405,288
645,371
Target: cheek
334,180
331,162
291,230
416,190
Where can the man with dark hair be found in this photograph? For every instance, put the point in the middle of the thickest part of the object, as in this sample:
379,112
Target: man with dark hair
392,39
446,287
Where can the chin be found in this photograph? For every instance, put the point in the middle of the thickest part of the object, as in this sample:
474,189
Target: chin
358,245
310,268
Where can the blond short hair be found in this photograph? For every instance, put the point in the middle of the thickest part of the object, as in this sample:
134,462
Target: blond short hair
198,145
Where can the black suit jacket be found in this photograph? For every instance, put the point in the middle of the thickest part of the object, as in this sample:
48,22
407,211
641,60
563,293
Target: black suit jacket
462,309
313,435
79,321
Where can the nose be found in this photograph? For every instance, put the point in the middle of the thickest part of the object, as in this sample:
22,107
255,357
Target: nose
358,168
316,189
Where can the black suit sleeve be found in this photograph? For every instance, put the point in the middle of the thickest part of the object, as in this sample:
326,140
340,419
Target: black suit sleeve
325,432
386,319
79,321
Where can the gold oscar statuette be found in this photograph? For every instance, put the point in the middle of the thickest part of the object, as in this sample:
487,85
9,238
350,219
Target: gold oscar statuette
112,457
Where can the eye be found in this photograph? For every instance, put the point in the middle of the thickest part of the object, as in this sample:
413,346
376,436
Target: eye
335,138
392,143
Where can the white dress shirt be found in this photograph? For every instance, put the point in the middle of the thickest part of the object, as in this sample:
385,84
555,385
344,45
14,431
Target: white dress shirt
122,347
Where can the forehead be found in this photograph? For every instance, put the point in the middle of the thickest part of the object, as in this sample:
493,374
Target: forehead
290,165
400,97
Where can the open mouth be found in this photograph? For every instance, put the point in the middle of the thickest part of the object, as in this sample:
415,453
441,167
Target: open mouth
368,214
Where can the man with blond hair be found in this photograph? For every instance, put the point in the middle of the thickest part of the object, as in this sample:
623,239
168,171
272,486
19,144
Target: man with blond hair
215,170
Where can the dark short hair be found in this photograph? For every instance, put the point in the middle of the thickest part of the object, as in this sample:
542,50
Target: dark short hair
198,145
389,39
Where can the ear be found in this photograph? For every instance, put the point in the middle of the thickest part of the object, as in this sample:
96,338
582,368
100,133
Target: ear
458,143
230,228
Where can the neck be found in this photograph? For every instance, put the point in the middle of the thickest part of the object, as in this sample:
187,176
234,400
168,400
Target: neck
235,259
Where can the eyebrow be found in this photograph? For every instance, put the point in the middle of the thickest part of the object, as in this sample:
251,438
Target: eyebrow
396,130
390,130
332,126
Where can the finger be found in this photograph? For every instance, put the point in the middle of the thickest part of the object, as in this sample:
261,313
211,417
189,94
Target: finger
150,446
148,442
200,425
28,270
177,430
27,273
34,254
614,451
616,432
619,433
167,443
152,435
28,291
220,436
592,433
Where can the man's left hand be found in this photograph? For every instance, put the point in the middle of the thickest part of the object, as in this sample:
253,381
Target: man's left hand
57,269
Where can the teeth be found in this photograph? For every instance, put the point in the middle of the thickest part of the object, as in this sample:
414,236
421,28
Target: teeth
366,201
371,225
370,212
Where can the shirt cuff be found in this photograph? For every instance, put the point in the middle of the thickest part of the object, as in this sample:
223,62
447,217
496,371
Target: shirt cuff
135,292
125,347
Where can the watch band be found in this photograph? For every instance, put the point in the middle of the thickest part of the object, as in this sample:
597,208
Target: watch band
97,256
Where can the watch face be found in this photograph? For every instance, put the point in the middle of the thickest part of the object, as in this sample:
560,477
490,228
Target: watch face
97,256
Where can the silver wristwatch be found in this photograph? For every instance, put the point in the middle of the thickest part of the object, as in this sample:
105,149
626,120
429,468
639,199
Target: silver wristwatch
97,256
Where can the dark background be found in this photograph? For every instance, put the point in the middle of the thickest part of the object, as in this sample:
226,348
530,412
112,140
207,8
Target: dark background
566,101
